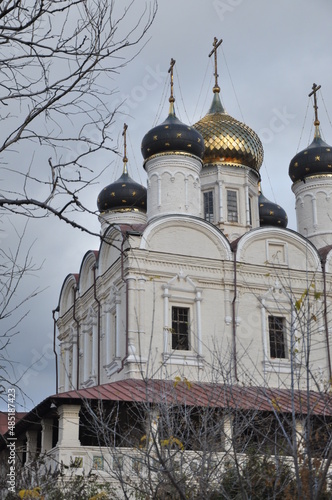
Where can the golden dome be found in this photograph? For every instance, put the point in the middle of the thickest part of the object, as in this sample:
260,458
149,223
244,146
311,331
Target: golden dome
228,140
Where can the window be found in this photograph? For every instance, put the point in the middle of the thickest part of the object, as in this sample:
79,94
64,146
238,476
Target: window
277,337
250,210
208,206
232,215
180,328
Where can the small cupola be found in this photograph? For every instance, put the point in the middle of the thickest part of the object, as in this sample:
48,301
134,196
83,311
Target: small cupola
271,214
173,153
125,199
172,136
316,159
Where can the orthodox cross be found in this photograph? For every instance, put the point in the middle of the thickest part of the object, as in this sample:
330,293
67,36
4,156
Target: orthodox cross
171,99
314,90
125,159
215,44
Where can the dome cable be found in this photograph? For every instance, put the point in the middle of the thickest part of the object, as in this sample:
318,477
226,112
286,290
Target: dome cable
327,113
302,130
161,103
181,95
201,91
235,94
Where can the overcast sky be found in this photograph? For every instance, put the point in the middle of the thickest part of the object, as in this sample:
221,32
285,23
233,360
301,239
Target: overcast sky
272,53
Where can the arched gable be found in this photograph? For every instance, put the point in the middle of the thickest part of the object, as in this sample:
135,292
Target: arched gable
86,279
279,247
110,248
187,236
66,298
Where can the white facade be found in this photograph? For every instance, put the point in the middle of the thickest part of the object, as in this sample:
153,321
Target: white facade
201,287
199,290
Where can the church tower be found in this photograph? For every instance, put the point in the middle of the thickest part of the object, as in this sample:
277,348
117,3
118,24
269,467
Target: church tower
172,153
311,173
230,173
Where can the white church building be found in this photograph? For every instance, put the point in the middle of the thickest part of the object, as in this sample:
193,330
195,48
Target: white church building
197,286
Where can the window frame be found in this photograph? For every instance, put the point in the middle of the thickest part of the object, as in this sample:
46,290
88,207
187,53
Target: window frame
250,209
208,204
176,332
276,346
232,211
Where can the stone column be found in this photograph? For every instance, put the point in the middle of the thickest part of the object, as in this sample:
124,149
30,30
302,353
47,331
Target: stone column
95,342
69,425
132,312
166,319
47,435
299,427
86,355
74,365
31,445
228,432
198,300
117,326
220,198
67,367
108,335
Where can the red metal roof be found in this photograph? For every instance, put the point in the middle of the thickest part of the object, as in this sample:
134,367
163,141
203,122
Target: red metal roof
184,392
206,394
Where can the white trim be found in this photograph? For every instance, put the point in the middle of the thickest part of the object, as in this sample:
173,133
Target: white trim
187,295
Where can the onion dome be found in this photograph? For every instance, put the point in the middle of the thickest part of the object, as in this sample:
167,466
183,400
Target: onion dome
172,136
124,194
271,214
227,139
316,159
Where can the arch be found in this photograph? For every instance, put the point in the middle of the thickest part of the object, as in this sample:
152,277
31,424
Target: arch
279,246
110,248
66,297
193,236
86,278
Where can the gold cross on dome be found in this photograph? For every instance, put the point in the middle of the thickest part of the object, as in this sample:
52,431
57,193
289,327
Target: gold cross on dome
170,70
215,44
125,159
315,88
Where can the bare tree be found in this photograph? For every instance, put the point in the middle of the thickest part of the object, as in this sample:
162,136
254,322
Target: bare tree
16,264
58,61
221,439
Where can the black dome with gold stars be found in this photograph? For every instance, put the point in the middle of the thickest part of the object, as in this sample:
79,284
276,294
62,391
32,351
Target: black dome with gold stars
271,214
122,195
172,136
316,159
125,194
